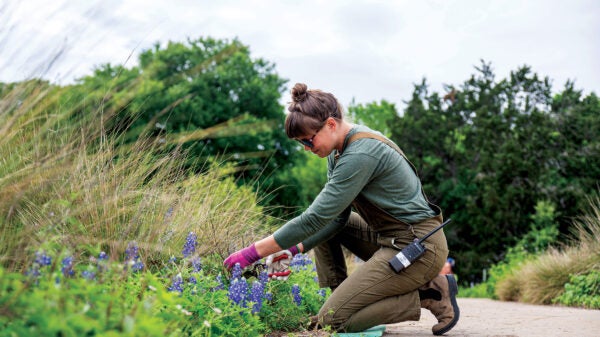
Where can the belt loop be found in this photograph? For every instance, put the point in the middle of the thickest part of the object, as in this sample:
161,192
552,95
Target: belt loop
394,244
412,230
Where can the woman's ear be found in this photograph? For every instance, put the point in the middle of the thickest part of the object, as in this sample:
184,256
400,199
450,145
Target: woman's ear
331,123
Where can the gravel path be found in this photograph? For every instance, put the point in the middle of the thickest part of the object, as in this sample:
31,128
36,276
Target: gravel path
484,317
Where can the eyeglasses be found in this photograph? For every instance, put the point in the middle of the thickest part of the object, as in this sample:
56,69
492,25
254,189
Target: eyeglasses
307,141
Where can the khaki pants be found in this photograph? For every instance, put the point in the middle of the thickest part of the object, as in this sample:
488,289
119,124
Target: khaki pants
374,294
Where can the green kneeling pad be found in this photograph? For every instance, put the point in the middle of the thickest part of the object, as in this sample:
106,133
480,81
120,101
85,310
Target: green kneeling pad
375,331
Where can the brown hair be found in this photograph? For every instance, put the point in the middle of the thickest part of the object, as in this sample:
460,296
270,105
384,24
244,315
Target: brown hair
309,110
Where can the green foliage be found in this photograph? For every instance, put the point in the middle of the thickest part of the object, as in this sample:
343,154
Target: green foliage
568,275
480,290
377,116
282,313
544,229
582,290
302,182
489,150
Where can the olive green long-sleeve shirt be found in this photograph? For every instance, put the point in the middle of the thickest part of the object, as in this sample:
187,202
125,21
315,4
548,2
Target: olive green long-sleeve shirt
368,167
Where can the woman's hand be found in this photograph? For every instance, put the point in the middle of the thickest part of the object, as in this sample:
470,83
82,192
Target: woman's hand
244,257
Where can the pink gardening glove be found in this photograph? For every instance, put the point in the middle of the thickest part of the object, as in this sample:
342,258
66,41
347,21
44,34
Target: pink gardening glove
244,257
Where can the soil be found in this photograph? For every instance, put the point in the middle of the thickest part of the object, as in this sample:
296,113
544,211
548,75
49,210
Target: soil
485,317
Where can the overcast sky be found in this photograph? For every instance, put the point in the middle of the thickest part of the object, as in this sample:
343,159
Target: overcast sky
366,50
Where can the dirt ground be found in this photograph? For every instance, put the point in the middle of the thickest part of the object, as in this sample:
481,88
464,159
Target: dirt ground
484,317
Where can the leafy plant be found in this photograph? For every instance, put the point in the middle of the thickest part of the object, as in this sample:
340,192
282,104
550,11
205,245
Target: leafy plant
582,290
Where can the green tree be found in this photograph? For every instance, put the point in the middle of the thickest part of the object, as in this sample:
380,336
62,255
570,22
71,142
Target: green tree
208,96
377,116
489,151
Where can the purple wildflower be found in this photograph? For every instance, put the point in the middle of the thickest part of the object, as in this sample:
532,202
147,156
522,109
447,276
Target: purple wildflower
177,284
133,257
220,285
67,266
236,272
102,261
189,247
300,261
137,266
238,291
132,251
269,296
322,292
196,264
296,294
169,213
256,296
192,280
88,275
263,278
42,259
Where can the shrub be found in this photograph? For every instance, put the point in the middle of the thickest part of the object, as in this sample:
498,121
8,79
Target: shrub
582,290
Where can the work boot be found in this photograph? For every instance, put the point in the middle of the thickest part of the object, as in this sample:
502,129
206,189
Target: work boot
314,323
439,297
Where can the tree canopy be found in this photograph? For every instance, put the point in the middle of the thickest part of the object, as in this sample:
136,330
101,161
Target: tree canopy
489,152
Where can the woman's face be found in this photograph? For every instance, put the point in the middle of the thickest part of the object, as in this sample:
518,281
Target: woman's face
321,142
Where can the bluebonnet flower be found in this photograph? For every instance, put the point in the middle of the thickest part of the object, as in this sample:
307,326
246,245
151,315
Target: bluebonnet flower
102,261
189,247
256,296
192,280
177,284
238,290
296,294
132,251
42,259
220,285
67,266
88,275
269,296
169,213
300,261
137,266
173,260
102,256
263,278
196,264
236,272
133,257
33,272
321,292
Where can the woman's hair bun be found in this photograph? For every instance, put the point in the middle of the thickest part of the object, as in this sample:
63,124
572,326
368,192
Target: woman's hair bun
299,92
